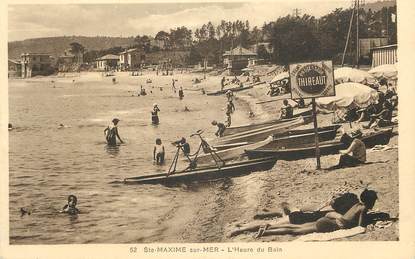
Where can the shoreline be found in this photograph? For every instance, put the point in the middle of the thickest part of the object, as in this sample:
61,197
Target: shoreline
216,207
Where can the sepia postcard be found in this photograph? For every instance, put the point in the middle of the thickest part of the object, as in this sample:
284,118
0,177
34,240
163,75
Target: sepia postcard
207,129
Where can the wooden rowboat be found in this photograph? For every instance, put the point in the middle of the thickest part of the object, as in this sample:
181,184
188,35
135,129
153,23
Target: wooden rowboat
290,138
326,148
260,134
242,128
233,89
205,173
232,153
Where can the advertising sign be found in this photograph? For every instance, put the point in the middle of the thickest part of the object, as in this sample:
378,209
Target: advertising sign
312,79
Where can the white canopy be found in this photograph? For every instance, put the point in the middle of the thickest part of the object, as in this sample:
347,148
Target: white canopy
349,95
348,74
388,71
280,76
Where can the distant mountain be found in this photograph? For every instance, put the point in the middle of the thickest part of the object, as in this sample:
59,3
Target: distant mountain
376,6
56,46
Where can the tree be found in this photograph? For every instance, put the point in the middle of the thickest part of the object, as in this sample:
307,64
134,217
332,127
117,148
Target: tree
181,37
164,37
78,50
293,40
211,30
262,52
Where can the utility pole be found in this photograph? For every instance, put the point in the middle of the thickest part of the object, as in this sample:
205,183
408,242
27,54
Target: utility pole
296,12
357,33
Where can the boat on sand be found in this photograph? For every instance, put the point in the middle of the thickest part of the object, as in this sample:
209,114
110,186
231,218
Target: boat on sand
326,147
205,173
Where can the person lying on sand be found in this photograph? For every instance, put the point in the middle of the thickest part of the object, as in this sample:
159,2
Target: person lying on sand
70,207
331,221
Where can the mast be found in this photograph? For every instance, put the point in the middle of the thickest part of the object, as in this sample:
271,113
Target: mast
357,33
348,36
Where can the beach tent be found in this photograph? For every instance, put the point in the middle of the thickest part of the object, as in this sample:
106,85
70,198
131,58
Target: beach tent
388,71
279,77
348,74
348,95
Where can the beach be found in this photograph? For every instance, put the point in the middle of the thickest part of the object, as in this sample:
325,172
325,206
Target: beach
53,163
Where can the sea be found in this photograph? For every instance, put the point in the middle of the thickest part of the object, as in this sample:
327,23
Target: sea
48,162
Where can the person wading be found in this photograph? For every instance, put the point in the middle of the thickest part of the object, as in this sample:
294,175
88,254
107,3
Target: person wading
111,133
154,114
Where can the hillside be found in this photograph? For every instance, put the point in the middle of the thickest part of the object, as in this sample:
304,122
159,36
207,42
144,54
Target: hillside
57,45
376,6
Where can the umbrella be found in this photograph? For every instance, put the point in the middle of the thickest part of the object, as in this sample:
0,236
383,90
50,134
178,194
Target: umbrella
279,77
348,74
388,71
348,95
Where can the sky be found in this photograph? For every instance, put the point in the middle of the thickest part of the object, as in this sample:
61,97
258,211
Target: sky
46,20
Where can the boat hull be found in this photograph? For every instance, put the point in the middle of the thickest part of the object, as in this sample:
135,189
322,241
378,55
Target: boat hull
243,128
234,89
326,148
232,153
260,134
290,138
207,173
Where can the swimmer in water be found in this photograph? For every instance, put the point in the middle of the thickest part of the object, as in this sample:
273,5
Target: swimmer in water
70,207
111,133
61,126
10,127
158,152
154,114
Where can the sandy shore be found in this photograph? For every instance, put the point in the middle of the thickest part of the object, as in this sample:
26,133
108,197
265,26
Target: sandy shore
295,182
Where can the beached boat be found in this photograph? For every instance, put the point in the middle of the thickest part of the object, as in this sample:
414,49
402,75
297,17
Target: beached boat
233,89
326,147
206,173
262,133
232,153
290,138
238,129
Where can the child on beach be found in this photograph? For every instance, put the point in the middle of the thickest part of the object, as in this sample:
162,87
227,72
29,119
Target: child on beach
158,152
355,216
70,207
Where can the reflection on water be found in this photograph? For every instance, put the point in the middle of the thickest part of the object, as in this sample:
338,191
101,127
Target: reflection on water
113,150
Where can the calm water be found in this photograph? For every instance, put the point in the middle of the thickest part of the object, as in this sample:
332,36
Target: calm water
47,164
